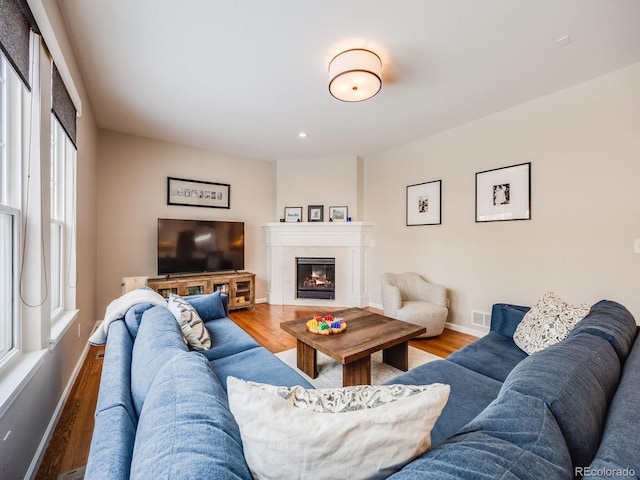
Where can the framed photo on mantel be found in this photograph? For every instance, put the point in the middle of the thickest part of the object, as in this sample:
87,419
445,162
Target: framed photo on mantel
292,214
316,213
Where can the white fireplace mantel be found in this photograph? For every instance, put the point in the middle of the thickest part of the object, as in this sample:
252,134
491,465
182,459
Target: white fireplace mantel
350,243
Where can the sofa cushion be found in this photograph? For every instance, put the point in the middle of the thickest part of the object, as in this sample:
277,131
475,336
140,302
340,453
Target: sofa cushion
366,431
470,393
516,437
159,339
505,318
210,306
257,365
549,321
227,338
576,378
614,323
186,429
616,451
192,326
493,355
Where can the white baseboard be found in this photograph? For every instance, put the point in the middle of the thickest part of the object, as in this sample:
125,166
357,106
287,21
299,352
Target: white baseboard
42,448
467,330
261,300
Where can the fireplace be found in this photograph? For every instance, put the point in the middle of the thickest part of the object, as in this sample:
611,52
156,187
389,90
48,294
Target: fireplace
316,278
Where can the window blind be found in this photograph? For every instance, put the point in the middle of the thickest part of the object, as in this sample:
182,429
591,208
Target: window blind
62,105
15,22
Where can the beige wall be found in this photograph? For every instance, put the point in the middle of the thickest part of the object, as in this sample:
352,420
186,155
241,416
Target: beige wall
330,182
584,146
132,195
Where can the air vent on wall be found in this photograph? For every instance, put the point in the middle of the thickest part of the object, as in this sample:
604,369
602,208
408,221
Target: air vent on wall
480,319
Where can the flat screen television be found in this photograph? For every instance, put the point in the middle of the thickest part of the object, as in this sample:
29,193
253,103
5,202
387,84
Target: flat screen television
199,246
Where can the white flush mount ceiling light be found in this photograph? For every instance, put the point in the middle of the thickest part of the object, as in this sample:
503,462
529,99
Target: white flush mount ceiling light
355,75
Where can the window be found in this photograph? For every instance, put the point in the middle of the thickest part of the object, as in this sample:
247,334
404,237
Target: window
10,135
7,281
62,187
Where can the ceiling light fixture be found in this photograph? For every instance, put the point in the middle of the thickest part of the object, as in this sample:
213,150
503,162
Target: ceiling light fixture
355,75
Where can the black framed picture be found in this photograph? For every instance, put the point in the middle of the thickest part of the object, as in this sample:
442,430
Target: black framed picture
195,193
315,213
504,194
424,203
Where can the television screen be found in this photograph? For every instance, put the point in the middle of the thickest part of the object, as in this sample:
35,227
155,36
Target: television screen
198,246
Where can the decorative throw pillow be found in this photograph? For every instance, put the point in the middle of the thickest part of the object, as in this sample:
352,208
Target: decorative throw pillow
353,432
549,321
191,324
209,306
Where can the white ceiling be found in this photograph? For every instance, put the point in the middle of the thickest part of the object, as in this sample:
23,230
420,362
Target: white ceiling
246,76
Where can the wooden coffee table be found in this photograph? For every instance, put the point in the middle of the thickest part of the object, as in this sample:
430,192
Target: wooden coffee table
366,333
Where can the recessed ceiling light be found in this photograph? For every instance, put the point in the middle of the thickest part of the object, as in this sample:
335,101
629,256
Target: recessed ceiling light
303,134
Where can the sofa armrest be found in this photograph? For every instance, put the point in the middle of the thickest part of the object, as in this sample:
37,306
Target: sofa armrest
391,300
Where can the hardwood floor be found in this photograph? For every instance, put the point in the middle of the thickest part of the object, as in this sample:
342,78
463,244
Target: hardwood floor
68,449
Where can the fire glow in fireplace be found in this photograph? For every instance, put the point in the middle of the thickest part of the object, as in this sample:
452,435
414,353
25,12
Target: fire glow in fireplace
316,278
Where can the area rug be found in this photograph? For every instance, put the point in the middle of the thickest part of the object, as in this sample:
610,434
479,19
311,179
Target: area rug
330,371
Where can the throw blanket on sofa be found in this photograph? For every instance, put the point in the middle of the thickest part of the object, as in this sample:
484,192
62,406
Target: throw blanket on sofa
118,308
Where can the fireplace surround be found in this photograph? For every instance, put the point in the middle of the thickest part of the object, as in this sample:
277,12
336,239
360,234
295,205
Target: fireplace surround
350,243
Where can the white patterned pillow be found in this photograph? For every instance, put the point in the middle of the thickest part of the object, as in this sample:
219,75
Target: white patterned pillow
191,324
549,321
353,432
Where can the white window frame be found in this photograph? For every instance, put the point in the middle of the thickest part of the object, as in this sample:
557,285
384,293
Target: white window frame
63,211
57,189
11,103
11,331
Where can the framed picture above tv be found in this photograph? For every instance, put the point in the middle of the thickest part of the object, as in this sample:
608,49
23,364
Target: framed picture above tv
195,193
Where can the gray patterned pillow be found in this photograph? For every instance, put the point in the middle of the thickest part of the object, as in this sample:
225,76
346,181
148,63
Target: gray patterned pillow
191,324
371,430
549,321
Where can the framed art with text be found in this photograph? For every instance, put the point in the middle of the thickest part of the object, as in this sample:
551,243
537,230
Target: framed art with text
424,203
195,193
504,194
292,214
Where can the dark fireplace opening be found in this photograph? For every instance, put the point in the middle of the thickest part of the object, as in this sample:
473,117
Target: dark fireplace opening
316,278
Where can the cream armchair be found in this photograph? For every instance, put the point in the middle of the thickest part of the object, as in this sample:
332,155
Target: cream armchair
409,297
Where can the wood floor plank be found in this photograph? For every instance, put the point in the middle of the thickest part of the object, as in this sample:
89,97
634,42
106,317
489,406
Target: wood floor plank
68,448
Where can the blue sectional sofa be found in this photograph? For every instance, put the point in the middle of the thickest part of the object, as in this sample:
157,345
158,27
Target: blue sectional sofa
569,411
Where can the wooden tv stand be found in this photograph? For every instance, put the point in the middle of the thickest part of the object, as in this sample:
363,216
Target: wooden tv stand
240,286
